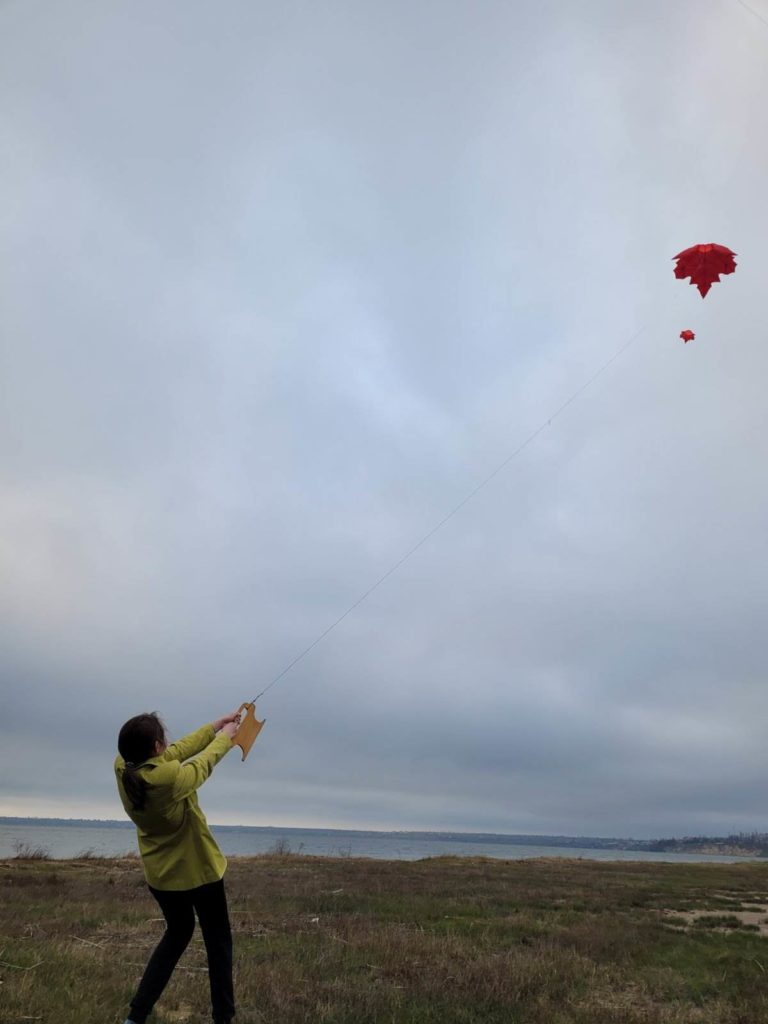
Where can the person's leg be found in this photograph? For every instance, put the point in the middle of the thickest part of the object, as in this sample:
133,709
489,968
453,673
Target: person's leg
211,906
179,916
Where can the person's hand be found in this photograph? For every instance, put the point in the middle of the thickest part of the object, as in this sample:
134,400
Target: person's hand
230,729
233,719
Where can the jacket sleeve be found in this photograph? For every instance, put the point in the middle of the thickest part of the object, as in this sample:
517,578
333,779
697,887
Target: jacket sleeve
194,773
189,745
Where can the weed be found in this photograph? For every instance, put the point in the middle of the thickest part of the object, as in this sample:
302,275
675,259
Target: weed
26,851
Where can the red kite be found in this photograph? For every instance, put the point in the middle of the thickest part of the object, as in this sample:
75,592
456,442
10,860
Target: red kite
704,264
687,335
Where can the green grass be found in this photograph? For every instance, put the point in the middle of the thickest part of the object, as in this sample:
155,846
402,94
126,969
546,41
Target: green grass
440,941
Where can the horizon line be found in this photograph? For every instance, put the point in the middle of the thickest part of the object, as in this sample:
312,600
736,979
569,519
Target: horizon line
299,828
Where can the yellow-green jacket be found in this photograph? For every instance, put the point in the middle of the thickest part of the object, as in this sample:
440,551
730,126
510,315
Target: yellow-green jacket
176,846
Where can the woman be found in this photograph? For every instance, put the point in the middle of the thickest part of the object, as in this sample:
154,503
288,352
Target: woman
183,866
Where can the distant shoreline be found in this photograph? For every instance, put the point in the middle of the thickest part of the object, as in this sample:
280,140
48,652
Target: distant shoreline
740,845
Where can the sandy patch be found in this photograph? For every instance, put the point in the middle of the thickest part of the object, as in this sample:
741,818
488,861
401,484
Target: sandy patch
754,916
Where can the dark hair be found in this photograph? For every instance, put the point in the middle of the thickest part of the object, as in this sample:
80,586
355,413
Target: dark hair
136,743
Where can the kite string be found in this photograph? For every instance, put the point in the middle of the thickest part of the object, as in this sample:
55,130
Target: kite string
483,483
751,10
456,508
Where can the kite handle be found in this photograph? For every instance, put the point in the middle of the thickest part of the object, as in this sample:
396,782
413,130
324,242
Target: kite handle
249,727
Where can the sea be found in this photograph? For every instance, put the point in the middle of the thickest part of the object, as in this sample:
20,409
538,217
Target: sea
61,839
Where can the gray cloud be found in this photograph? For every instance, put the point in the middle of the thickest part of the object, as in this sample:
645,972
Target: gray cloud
280,285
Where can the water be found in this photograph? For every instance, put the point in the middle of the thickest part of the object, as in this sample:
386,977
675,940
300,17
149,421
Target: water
114,839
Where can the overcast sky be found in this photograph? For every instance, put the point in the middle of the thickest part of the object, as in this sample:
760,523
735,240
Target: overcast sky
281,283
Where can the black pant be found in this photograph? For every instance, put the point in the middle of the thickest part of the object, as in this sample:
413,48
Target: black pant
178,907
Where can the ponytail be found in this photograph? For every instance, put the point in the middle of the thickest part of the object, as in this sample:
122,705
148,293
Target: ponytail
136,743
135,787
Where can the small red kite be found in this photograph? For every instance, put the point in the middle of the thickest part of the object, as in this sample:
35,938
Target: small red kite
704,264
687,336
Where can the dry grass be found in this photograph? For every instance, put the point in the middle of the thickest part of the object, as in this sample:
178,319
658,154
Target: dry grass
441,941
27,851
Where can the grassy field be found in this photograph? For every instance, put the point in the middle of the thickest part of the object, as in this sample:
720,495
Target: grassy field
439,941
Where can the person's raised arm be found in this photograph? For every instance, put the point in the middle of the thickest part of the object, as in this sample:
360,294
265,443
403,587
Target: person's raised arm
198,740
194,773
